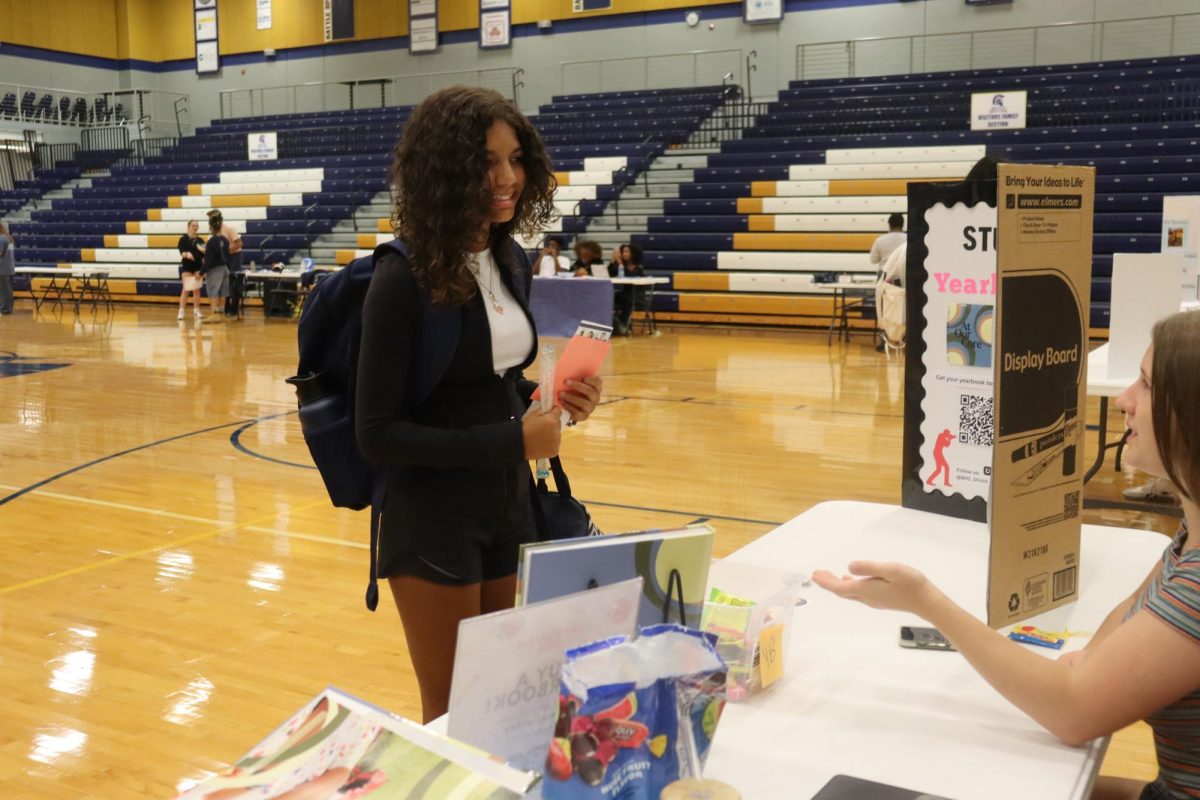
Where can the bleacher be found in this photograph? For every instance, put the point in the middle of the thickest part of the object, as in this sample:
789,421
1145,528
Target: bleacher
808,187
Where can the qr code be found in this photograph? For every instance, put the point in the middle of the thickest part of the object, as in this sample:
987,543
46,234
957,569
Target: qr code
1071,505
975,420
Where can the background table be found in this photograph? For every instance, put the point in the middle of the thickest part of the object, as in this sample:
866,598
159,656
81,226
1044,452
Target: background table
852,701
93,283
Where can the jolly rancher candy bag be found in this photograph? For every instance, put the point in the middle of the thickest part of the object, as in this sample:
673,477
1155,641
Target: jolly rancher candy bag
634,715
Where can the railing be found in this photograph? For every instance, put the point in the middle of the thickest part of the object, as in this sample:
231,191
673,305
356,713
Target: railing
48,156
729,120
15,161
1067,43
395,90
673,71
84,109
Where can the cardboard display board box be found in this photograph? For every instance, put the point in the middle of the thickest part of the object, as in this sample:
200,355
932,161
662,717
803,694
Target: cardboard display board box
1044,273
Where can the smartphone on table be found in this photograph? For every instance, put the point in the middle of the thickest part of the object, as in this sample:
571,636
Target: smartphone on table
923,638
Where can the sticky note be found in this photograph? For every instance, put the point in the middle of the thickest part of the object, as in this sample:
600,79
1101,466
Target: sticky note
770,654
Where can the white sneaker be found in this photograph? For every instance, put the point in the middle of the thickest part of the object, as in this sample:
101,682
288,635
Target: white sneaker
1154,489
197,314
180,316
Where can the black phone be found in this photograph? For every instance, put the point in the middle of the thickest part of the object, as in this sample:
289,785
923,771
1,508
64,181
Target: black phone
923,638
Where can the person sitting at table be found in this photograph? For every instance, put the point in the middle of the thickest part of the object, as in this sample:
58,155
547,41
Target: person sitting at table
552,262
1144,660
191,262
587,255
626,263
8,268
883,247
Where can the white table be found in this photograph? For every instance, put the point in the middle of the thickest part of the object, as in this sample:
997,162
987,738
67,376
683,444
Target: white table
853,702
93,283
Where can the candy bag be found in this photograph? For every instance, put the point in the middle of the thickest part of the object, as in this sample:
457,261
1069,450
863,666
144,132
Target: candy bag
634,715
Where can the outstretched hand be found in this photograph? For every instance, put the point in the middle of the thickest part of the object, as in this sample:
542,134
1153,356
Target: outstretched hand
881,585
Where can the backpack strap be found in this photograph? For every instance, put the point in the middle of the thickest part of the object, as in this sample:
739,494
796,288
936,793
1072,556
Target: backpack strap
440,329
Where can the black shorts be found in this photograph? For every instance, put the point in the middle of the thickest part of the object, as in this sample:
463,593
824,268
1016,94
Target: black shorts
461,543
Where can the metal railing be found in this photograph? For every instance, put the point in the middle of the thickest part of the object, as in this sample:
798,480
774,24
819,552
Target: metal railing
394,90
1066,43
85,109
48,156
671,71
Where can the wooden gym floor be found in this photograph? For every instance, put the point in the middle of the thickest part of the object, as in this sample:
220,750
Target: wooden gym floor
174,582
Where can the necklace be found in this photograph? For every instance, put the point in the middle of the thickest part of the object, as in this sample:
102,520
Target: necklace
475,270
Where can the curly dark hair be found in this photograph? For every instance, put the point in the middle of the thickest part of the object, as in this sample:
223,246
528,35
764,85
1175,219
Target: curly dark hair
440,198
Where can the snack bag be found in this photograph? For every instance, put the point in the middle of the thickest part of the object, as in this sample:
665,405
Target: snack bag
634,715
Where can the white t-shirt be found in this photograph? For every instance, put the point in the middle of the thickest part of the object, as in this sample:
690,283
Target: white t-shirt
549,266
512,335
885,244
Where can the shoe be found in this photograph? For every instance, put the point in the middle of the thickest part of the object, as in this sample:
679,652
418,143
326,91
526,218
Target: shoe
198,315
180,315
1154,489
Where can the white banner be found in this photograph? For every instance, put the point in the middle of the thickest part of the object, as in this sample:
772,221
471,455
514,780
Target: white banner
263,15
762,10
262,146
206,25
998,110
422,8
423,35
207,59
494,29
961,289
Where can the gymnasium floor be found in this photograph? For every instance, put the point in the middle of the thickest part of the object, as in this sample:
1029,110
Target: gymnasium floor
173,581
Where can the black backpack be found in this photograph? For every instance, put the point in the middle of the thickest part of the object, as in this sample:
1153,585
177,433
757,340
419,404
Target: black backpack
329,333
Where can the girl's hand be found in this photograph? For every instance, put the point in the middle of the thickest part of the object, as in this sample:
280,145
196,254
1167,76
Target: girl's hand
881,585
542,433
582,398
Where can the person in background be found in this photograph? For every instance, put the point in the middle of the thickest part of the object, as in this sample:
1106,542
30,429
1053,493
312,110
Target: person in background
234,262
626,263
1144,660
552,262
216,266
885,244
587,255
8,268
191,262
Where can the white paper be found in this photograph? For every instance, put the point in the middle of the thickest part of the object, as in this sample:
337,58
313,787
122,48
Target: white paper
1145,288
956,432
422,8
504,693
998,110
763,10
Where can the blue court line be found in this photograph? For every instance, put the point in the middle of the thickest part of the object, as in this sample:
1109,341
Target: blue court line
111,456
235,439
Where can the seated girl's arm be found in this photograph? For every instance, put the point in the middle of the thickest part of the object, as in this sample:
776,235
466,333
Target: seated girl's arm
1140,667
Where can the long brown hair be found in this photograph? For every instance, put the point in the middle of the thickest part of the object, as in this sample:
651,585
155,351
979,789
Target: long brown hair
1175,399
440,198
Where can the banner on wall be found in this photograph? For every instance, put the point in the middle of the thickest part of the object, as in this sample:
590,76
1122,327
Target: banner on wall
262,146
1181,235
951,293
1003,111
423,35
262,17
495,29
1044,263
206,25
207,58
755,11
339,19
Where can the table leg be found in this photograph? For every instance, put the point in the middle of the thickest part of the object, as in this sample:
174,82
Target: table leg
833,317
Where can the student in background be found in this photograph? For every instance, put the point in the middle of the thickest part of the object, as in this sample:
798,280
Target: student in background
216,266
1144,660
626,263
885,244
8,268
191,262
233,261
552,262
587,255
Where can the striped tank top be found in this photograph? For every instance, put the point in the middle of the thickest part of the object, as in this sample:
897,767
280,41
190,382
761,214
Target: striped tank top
1174,596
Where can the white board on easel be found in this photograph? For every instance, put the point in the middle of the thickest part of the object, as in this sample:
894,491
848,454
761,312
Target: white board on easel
1145,288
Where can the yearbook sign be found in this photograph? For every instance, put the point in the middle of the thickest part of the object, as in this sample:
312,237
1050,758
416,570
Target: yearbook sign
951,282
1044,263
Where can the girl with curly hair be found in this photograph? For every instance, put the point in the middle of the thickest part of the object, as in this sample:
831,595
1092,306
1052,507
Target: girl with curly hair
469,171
